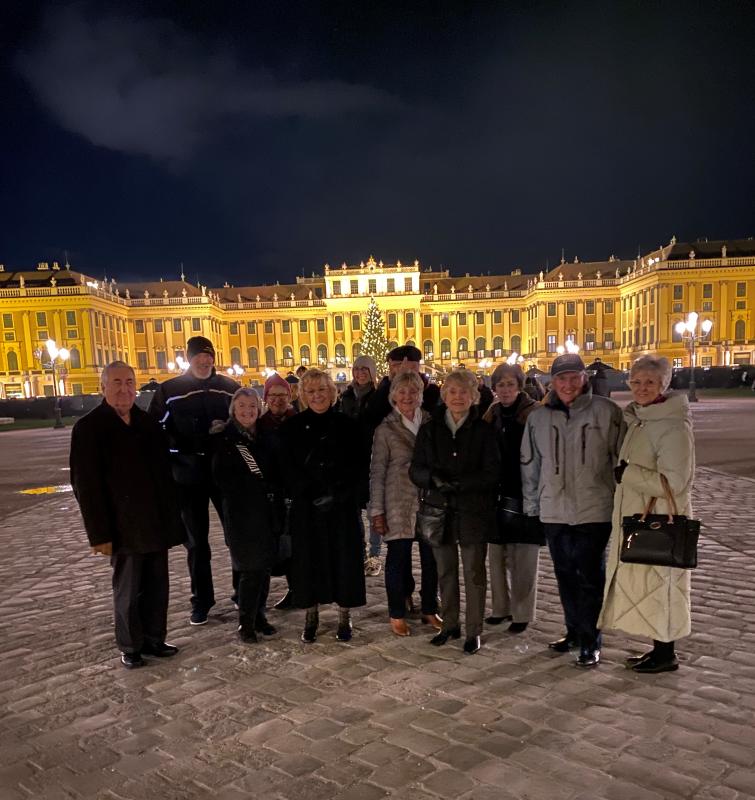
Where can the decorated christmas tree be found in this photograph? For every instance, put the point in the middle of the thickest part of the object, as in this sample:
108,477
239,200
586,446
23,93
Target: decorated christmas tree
374,343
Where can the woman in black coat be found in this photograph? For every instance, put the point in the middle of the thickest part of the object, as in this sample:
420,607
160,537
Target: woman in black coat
244,469
326,471
513,561
455,462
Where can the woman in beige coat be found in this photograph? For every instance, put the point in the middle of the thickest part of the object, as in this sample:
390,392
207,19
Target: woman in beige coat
643,600
394,502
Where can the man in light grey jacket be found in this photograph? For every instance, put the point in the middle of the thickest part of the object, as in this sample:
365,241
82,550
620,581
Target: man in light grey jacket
569,450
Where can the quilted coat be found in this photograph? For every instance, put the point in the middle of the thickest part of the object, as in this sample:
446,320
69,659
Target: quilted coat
391,490
638,599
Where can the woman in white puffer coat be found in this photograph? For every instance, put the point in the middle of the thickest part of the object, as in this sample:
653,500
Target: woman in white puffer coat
646,600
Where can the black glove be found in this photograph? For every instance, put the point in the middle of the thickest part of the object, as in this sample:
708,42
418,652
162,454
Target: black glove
443,484
324,502
618,471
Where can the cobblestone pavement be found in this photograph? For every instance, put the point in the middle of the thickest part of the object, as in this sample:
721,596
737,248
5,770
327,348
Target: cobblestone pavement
378,716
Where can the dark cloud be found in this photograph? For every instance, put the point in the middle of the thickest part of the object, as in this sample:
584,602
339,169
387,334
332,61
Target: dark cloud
146,87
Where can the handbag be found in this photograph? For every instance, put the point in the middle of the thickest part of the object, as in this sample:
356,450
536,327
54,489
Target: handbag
431,522
660,540
511,523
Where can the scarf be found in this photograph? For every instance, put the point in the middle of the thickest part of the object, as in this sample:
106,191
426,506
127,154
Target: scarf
414,423
454,426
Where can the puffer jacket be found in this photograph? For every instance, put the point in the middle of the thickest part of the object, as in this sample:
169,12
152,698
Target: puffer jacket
568,456
391,490
643,600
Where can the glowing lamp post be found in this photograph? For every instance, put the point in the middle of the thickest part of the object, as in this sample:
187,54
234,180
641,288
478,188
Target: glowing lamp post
235,371
687,329
569,347
53,353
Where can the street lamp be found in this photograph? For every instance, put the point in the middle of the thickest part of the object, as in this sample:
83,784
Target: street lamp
53,353
570,347
235,370
687,329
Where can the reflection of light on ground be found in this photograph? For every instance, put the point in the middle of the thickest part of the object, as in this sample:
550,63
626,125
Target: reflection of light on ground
63,487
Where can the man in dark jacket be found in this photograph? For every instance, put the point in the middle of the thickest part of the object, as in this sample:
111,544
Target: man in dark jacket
186,407
120,473
402,359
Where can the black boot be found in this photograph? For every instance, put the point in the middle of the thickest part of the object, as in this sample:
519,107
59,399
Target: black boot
344,632
311,621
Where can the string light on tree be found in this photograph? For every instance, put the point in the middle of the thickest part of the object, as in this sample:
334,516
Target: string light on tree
374,342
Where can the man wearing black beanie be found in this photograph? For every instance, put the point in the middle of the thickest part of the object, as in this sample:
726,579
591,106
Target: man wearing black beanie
186,406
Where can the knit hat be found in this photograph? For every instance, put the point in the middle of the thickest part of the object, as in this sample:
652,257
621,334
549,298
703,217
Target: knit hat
275,380
199,344
407,351
368,363
291,380
568,362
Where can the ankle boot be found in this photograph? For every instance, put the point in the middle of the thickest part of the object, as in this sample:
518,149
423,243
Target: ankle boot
343,634
311,621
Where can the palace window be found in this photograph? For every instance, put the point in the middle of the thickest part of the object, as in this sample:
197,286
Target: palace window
270,357
463,348
268,326
678,291
162,360
158,323
409,319
141,359
480,346
407,284
286,326
288,356
444,319
590,341
427,320
551,309
75,361
741,289
70,318
515,317
356,322
571,308
391,285
445,348
392,320
677,308
739,330
589,306
678,363
7,320
336,287
12,362
252,357
608,306
196,324
354,286
235,355
177,325
303,326
707,305
497,317
479,317
139,326
41,319
340,355
304,355
551,343
233,328
320,325
356,350
338,322
372,285
462,318
516,344
427,349
322,355
498,346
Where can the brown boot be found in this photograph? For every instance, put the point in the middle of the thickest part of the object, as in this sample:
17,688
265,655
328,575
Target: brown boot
399,627
434,620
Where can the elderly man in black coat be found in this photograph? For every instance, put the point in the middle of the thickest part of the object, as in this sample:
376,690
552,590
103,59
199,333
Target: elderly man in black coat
122,481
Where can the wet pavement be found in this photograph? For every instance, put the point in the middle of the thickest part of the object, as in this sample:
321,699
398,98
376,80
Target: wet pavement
380,716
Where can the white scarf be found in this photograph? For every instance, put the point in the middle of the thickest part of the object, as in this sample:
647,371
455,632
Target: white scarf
452,425
414,423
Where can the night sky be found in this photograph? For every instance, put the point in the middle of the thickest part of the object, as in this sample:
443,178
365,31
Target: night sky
254,141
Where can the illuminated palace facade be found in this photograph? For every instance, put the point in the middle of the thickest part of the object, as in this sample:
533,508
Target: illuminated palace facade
614,310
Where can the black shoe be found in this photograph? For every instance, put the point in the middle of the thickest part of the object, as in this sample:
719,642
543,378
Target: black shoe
472,645
247,635
286,602
563,645
132,660
632,661
441,638
518,627
235,601
588,658
159,649
198,617
344,632
496,620
650,666
264,627
309,634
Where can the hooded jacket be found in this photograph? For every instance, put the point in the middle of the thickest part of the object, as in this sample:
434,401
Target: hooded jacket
643,600
568,456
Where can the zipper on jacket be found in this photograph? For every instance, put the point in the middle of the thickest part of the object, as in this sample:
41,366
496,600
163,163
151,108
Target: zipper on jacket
558,454
584,441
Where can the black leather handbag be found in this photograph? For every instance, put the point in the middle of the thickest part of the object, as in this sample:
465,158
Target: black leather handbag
431,522
660,540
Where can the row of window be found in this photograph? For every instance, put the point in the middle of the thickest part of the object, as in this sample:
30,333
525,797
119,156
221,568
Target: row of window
74,360
371,286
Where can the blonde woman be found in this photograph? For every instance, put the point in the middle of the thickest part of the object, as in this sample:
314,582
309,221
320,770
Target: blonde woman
393,504
642,600
456,463
326,466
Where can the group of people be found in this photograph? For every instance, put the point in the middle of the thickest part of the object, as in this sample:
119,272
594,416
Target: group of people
338,477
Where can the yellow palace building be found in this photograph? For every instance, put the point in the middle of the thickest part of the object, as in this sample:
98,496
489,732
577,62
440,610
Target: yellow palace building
614,310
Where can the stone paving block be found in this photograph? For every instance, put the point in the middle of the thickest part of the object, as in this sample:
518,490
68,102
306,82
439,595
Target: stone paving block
364,791
297,764
402,772
378,753
417,742
460,757
632,769
448,783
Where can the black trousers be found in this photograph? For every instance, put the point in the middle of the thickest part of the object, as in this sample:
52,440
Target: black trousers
579,561
399,580
251,588
140,598
195,513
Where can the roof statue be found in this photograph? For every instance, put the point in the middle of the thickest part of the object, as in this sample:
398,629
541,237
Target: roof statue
691,255
579,276
53,282
453,290
146,295
183,292
723,251
22,282
128,294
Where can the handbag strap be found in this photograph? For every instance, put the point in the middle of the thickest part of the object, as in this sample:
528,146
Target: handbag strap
673,510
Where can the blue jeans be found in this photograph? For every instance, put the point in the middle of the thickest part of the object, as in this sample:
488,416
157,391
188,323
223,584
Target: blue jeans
399,581
376,540
579,561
